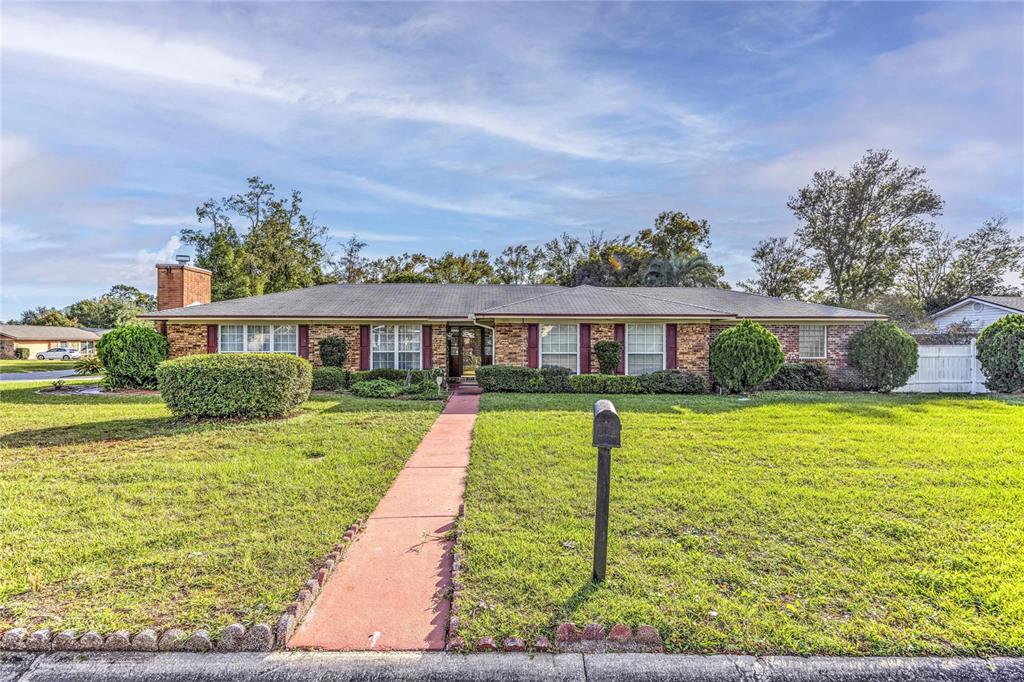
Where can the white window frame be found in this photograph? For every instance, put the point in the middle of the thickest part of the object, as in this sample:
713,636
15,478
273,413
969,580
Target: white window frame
245,338
540,342
824,342
396,351
664,345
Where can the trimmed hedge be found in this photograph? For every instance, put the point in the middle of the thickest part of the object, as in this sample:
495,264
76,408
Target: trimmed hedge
673,381
249,385
800,376
329,378
130,356
884,354
605,383
509,379
405,377
745,356
1001,352
21,353
377,388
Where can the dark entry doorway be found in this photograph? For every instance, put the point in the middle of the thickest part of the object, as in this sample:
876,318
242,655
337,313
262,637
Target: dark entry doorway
468,349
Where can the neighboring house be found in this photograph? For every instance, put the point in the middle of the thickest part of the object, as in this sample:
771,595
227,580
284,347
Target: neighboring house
978,312
38,338
460,327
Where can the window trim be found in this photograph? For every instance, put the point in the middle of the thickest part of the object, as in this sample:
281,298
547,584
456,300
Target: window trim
625,350
540,343
824,342
395,353
245,338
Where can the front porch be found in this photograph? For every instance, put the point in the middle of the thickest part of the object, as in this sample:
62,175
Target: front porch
469,346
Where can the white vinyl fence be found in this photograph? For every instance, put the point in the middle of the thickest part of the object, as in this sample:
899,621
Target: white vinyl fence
946,369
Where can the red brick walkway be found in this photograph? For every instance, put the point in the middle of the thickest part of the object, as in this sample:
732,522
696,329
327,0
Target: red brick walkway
390,590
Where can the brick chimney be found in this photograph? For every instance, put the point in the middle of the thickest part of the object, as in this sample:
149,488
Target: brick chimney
180,284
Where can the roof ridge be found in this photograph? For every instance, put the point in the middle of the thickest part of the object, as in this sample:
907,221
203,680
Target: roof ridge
666,300
561,290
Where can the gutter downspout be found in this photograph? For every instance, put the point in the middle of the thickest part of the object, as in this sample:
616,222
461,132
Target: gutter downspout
494,332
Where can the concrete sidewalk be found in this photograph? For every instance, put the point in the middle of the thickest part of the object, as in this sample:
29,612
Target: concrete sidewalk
290,666
390,591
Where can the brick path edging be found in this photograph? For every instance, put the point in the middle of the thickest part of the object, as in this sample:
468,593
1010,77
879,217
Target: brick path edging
234,638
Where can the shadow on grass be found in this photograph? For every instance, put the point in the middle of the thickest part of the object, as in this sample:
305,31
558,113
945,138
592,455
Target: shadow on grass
100,431
580,597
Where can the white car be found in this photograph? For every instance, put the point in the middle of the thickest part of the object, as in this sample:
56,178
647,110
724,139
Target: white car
59,354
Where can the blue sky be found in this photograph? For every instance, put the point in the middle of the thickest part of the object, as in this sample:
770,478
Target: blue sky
462,126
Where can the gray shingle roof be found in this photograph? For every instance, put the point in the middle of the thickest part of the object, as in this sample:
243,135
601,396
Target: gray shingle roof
363,301
746,305
588,301
1014,302
39,332
459,301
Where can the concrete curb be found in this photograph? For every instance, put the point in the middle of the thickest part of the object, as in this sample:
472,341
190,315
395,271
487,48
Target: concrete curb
288,666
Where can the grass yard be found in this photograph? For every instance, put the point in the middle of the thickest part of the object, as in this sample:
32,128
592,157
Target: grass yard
114,515
21,366
789,523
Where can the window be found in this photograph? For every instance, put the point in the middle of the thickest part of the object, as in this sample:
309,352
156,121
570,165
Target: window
258,338
812,341
396,346
645,348
559,346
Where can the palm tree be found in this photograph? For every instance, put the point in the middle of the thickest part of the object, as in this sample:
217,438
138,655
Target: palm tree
678,271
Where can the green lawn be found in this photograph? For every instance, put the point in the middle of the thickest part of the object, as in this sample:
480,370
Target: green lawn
114,515
20,366
789,523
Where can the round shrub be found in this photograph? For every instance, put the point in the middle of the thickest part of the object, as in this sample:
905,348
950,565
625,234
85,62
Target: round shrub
745,356
884,354
1001,352
21,353
249,385
333,351
130,355
377,388
509,379
556,379
673,381
328,378
609,355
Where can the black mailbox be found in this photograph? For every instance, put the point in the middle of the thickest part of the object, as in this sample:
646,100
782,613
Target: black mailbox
606,425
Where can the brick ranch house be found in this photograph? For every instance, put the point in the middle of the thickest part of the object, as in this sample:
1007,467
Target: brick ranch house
460,327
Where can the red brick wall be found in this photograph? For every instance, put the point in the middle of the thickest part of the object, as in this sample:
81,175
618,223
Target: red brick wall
692,347
510,344
349,332
186,339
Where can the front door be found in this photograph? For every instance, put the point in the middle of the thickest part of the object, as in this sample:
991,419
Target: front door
471,350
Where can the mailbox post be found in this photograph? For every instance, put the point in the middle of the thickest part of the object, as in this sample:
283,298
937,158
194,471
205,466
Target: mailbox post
606,437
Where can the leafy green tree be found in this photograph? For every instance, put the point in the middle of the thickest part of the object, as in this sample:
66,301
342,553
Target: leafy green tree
408,268
350,266
118,306
518,264
469,268
983,260
277,248
674,233
782,270
858,228
678,271
52,317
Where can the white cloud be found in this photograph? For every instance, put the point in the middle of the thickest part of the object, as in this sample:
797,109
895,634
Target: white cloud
146,261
